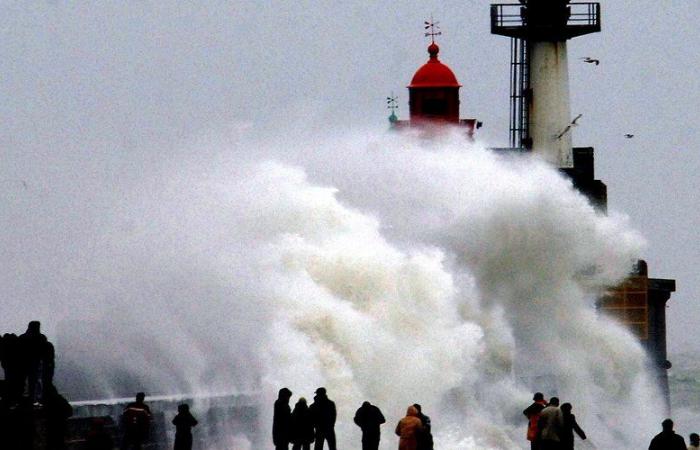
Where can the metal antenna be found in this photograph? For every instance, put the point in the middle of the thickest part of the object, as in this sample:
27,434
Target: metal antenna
392,103
434,29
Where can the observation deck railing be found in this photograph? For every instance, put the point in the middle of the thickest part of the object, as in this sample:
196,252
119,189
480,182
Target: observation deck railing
574,19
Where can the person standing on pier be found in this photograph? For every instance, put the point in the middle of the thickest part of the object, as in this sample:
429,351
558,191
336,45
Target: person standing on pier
282,420
550,426
324,414
532,413
425,435
570,426
694,441
136,421
369,418
302,426
408,428
184,421
667,439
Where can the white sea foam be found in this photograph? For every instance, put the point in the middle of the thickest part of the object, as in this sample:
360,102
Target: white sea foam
384,267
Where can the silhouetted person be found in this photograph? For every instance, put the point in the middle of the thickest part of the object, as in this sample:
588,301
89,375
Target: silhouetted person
136,422
324,414
13,365
570,426
667,439
184,421
302,426
408,428
369,418
57,410
32,344
282,420
48,363
425,435
694,441
532,413
98,438
550,426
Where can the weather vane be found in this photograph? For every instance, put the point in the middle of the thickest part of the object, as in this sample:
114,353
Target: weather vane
433,27
391,103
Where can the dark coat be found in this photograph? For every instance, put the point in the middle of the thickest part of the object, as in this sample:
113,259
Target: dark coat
57,410
425,435
281,423
183,430
99,439
136,420
302,425
323,413
667,441
368,417
567,436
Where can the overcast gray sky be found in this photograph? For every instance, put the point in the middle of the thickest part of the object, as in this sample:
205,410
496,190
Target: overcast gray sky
91,91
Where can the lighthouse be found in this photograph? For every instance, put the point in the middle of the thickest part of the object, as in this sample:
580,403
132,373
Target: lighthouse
540,111
541,122
433,94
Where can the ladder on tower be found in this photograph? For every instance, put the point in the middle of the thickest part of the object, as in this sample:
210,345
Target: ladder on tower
520,94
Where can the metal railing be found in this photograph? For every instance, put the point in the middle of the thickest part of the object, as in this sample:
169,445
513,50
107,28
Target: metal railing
509,15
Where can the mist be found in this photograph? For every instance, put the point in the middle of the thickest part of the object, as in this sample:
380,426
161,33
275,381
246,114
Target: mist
385,267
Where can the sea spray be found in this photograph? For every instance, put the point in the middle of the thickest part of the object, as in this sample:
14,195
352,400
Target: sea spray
382,266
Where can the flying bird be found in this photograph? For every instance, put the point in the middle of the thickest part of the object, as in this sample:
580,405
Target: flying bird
568,127
629,136
589,60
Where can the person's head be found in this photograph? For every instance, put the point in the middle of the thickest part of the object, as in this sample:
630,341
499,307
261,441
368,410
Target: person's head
321,392
412,411
538,397
34,327
554,401
566,408
284,394
694,439
301,402
418,408
183,408
140,397
366,403
667,425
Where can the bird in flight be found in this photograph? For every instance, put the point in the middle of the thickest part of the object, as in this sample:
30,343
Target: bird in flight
568,127
629,136
589,60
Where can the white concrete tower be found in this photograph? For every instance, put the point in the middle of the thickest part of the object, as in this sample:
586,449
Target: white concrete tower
540,111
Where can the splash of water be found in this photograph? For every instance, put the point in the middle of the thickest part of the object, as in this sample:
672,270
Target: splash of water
382,267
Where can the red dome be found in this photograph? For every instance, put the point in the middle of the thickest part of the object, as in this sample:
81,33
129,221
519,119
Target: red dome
434,73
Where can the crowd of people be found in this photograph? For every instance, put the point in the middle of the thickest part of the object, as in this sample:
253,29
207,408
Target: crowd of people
316,424
27,390
28,361
552,427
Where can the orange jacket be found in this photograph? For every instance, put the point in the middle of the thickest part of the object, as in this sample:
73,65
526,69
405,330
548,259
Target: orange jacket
407,428
533,416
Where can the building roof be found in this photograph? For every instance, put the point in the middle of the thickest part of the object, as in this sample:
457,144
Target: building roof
434,74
